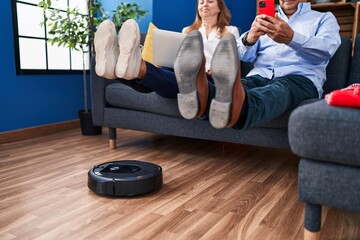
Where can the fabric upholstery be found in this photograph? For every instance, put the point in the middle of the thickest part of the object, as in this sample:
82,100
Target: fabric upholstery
326,133
120,95
327,140
200,129
338,70
355,65
330,184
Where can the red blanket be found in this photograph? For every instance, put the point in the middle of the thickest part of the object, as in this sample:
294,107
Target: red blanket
346,97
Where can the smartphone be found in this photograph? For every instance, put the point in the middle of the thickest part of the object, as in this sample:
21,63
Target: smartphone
266,7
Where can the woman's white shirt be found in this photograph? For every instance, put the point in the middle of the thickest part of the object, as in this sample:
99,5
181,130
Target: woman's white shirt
211,42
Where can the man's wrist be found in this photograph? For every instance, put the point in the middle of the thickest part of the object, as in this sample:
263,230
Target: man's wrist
245,42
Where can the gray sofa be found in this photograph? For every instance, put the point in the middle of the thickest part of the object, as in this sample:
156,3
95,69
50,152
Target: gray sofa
115,105
327,139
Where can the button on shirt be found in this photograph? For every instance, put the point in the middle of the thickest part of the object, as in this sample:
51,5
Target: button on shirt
316,39
212,41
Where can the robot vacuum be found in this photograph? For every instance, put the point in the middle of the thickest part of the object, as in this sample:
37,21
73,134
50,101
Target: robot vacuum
125,178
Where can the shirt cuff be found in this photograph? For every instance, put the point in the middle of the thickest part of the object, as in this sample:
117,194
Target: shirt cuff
241,46
297,41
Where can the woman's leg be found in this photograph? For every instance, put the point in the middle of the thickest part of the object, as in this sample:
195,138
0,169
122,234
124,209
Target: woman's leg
160,80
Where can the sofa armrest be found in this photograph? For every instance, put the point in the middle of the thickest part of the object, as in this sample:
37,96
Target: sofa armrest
321,132
98,101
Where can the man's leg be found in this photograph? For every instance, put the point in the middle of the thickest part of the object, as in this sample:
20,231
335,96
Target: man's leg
268,102
229,98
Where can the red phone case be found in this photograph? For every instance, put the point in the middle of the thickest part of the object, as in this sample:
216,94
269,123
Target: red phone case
267,7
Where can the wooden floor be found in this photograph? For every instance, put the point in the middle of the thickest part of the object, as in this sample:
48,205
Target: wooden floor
211,190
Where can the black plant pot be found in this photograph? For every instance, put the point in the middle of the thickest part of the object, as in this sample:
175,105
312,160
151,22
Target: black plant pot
87,126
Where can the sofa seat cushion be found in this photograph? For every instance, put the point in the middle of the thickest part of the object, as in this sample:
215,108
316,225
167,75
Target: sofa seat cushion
321,132
120,95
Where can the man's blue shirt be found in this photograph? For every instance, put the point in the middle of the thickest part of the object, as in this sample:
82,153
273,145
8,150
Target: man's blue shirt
316,39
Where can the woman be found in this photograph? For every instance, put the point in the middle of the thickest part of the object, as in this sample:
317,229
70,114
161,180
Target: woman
212,22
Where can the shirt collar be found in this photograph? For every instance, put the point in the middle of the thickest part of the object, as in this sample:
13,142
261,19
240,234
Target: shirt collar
213,33
303,7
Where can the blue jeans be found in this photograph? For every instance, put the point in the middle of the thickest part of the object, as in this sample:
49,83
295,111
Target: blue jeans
266,99
159,80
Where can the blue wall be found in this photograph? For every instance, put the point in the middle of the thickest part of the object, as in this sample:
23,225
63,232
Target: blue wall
243,13
175,15
34,100
182,13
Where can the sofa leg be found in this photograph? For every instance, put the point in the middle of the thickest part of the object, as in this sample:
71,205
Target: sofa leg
112,138
312,222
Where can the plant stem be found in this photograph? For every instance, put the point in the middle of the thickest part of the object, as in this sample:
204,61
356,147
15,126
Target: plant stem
85,82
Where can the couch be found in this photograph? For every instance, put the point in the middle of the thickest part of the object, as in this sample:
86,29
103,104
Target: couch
327,139
115,105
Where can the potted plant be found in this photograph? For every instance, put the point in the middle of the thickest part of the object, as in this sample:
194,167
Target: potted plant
126,11
75,31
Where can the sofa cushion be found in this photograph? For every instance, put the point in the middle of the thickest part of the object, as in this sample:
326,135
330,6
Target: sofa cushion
338,69
321,132
120,95
355,69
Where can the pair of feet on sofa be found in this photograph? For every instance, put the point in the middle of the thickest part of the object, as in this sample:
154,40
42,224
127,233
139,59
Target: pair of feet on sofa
120,57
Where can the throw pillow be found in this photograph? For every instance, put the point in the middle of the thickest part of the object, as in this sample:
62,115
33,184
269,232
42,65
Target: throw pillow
147,52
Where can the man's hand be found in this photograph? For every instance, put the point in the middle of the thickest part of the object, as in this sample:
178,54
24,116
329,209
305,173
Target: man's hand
276,28
256,31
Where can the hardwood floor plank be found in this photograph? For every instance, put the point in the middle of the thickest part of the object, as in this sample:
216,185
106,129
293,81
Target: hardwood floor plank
7,236
248,226
200,227
211,190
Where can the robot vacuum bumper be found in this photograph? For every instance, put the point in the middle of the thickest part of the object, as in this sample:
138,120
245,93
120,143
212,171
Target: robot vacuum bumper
125,178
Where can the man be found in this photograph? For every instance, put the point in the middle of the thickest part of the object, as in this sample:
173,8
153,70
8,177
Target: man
290,53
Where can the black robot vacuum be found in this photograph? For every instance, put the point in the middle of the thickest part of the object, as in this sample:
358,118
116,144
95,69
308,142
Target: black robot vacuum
125,178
